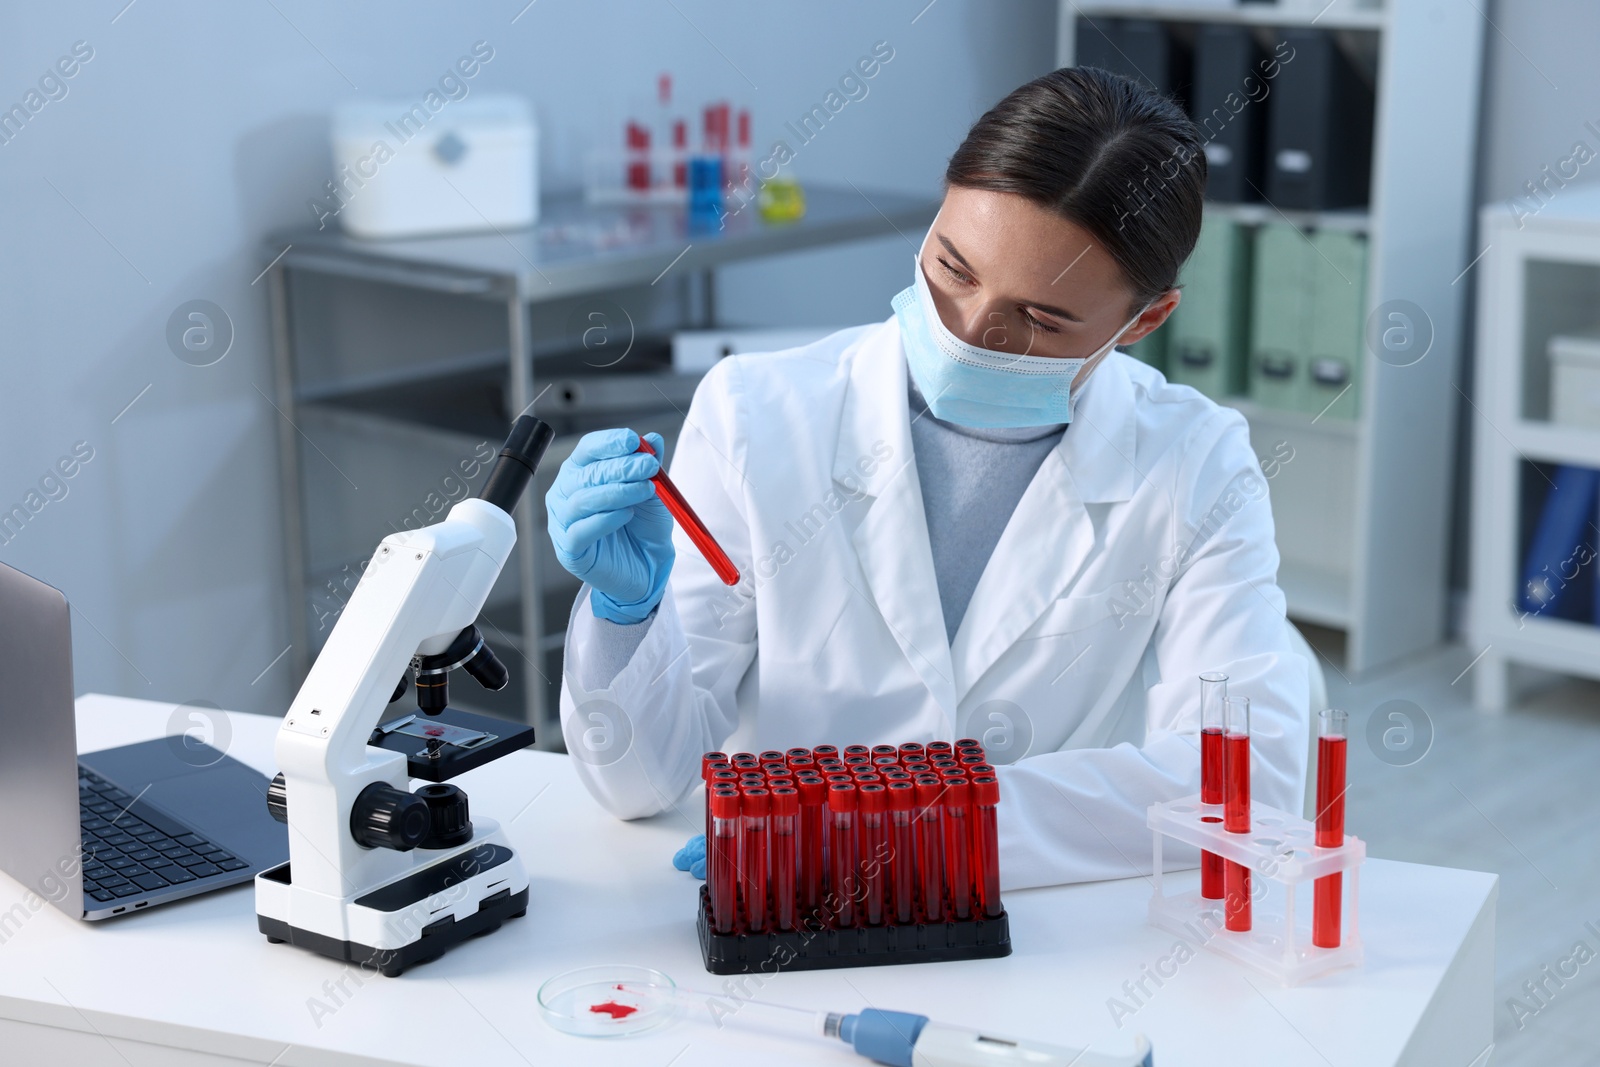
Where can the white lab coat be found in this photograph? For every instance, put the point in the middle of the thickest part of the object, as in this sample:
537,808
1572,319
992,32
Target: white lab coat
1140,556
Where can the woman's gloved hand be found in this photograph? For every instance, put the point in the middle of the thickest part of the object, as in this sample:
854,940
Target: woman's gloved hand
608,526
692,857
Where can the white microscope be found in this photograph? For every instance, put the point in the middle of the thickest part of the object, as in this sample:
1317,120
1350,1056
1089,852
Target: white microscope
379,875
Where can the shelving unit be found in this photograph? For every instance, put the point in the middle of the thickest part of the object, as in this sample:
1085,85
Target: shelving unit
1362,508
397,361
1540,278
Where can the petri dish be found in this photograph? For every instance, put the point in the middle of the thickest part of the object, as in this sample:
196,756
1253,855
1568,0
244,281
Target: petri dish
610,1000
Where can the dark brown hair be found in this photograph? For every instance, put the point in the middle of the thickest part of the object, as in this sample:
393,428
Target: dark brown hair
1104,152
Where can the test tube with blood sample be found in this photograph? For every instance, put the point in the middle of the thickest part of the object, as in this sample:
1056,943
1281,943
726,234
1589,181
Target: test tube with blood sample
821,752
958,846
902,850
722,859
910,752
783,844
813,801
1328,891
1213,690
1236,807
873,802
939,748
691,525
796,753
754,813
842,846
986,841
930,846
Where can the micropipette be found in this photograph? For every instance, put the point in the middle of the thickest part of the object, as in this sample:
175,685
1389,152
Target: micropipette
905,1039
691,522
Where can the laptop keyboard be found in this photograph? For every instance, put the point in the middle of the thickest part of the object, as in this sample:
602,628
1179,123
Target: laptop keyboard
125,855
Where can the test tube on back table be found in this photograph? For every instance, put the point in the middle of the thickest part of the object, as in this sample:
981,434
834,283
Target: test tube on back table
1236,807
1213,691
1328,891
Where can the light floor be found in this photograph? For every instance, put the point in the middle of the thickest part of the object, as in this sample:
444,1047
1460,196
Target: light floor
1515,794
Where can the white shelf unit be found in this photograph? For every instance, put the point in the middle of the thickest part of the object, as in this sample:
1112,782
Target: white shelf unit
1362,510
1540,278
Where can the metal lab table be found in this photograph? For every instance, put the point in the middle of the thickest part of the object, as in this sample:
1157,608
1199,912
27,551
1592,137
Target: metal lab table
575,250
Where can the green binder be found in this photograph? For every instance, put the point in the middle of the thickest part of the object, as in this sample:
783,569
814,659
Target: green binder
1335,349
1209,348
1279,315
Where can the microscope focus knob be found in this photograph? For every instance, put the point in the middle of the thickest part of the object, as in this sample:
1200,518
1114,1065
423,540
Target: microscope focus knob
386,817
449,822
278,798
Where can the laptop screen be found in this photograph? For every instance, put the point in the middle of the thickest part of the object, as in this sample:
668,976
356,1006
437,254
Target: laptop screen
39,842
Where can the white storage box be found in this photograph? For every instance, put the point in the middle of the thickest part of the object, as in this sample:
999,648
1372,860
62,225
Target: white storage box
1575,380
401,170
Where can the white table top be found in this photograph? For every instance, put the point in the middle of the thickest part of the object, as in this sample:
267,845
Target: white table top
198,975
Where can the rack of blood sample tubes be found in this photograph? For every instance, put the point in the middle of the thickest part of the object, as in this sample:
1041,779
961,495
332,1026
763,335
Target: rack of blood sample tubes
849,857
1266,856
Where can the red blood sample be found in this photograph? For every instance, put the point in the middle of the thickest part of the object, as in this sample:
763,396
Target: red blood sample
1236,809
1328,891
842,851
958,847
813,798
722,860
613,1009
1211,864
754,807
784,846
930,847
986,844
902,844
874,846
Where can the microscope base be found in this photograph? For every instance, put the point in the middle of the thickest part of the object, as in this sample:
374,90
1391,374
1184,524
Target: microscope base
412,919
392,962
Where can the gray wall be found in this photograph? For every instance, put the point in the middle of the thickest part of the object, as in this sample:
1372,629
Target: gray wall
196,128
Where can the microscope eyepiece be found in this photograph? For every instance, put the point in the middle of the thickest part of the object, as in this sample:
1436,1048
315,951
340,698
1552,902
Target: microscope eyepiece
518,461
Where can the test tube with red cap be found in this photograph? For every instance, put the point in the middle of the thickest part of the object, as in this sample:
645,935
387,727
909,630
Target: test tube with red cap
958,846
1236,807
902,850
784,845
754,811
797,754
1328,891
886,750
930,846
910,752
1213,691
722,859
842,848
820,752
743,757
986,841
690,522
813,804
857,750
873,815
939,748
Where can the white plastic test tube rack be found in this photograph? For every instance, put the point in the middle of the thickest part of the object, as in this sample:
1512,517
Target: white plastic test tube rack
1282,855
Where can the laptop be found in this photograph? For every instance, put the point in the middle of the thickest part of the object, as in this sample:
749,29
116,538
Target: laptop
111,832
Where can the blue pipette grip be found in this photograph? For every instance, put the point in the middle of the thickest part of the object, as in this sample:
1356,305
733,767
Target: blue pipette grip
885,1036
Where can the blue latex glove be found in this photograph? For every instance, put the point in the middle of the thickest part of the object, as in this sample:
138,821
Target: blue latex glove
692,857
608,526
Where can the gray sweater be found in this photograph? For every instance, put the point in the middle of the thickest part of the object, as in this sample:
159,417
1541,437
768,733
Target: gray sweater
971,483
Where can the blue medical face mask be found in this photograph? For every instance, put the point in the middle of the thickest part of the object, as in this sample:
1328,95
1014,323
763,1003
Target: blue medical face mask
980,387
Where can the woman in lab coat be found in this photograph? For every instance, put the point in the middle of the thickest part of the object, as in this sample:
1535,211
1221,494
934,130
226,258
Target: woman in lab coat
975,518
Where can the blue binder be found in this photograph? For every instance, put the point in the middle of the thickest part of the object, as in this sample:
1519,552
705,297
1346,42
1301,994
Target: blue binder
1556,580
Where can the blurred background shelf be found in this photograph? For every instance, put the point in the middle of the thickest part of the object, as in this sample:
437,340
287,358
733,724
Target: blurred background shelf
1361,488
399,365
